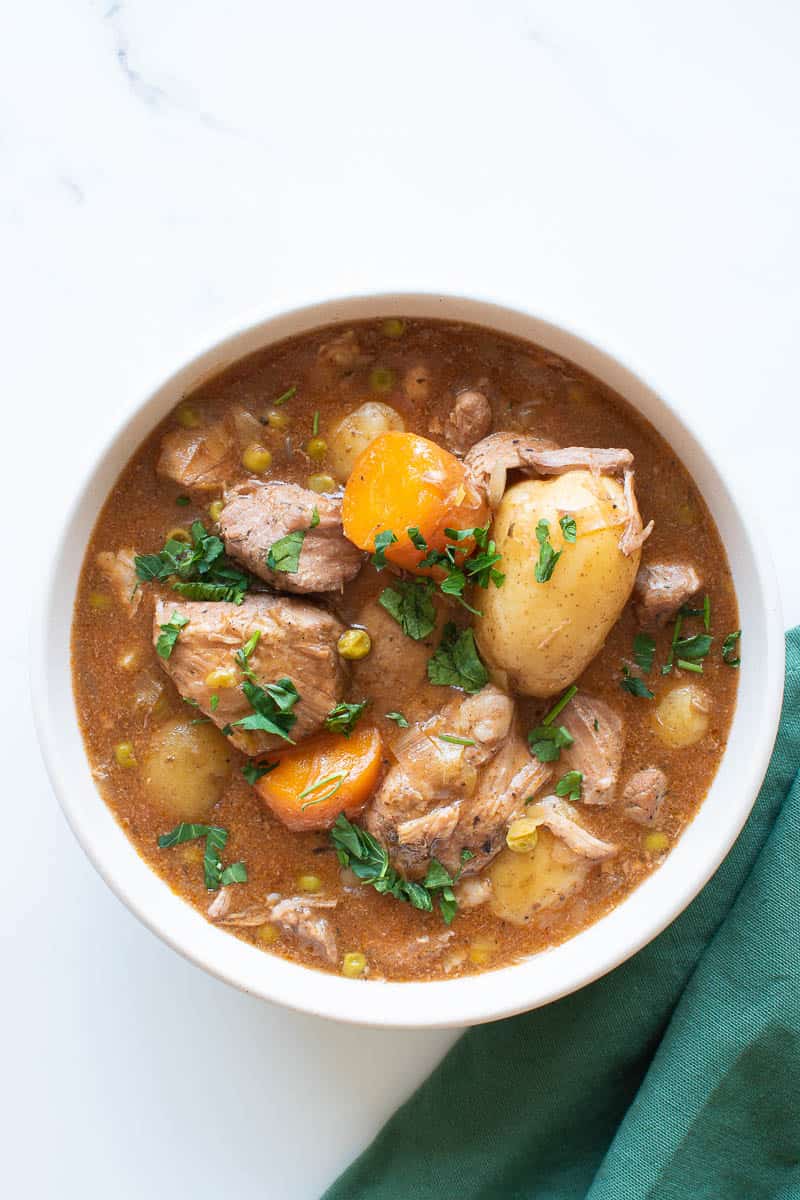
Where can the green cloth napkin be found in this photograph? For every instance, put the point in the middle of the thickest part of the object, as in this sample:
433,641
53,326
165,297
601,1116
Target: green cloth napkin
675,1077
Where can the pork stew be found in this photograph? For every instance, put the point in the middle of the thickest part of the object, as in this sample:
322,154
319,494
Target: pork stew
404,650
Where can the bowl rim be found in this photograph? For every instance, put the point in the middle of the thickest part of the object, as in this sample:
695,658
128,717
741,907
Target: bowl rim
473,999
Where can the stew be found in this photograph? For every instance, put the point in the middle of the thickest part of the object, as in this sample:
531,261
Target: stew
404,649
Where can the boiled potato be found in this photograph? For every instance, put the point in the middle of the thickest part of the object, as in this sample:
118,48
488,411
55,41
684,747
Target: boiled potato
681,718
538,637
524,884
186,767
356,431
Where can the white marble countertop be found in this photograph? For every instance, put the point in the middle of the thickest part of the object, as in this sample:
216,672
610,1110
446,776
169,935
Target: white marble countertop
165,167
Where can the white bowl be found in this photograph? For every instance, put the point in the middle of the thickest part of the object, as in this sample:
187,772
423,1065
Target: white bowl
543,977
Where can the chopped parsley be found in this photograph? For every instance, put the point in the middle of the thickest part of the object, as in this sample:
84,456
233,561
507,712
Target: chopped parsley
382,542
547,741
456,662
368,860
644,652
455,740
169,635
729,648
216,840
635,685
209,591
272,708
548,557
244,654
284,555
199,571
410,602
235,873
568,528
213,703
694,647
570,785
344,717
254,771
331,784
560,704
182,501
398,718
478,567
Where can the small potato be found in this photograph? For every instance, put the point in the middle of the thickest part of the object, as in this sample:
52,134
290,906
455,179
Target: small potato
539,637
525,884
681,718
185,768
355,432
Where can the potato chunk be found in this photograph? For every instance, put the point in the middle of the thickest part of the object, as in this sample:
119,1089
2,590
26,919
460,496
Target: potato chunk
355,432
186,767
682,717
524,884
539,637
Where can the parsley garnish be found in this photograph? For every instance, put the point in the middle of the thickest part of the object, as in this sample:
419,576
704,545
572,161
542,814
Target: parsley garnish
314,518
287,395
235,873
635,685
200,571
253,771
560,704
182,501
209,591
398,718
644,651
693,647
344,717
455,740
169,634
410,602
729,647
478,568
216,839
382,542
570,785
369,862
547,741
272,708
243,655
331,782
548,557
456,662
284,555
568,528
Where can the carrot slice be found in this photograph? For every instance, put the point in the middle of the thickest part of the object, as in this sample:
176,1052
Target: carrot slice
322,777
402,481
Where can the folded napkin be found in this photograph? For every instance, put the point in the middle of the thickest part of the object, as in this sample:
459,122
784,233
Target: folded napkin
675,1077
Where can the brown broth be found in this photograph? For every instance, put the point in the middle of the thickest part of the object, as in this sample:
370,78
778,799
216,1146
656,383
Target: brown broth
529,388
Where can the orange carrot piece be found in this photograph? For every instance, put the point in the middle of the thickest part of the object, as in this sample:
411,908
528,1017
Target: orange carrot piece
322,777
402,481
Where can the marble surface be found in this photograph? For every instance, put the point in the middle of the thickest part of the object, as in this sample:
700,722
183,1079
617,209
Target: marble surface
631,170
